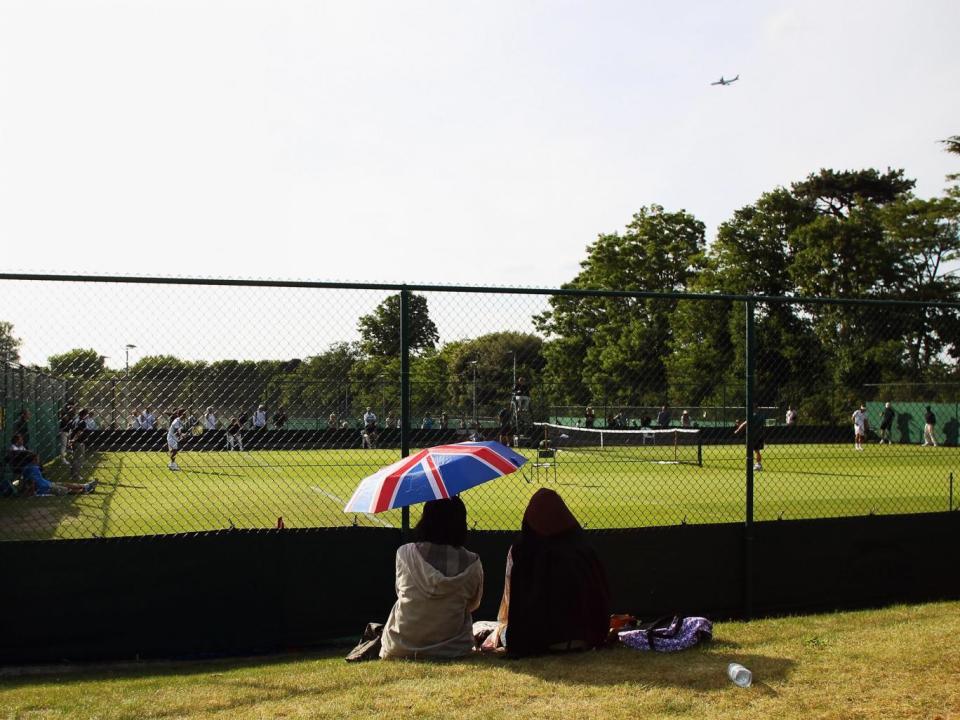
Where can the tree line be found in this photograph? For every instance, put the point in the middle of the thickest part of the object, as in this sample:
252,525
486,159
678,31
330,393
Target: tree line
837,234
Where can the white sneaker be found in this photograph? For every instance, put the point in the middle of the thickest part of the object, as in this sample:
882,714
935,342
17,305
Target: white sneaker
173,466
758,466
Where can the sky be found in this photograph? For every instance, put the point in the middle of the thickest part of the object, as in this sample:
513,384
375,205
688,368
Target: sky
438,142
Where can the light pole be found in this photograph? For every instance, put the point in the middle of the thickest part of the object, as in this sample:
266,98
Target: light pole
128,348
474,363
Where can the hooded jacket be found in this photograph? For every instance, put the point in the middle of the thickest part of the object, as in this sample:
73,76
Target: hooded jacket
432,615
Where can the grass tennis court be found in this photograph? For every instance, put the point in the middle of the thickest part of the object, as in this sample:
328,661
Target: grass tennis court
609,488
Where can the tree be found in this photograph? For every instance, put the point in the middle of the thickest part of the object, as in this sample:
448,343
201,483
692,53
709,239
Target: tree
612,349
9,343
84,363
321,383
380,330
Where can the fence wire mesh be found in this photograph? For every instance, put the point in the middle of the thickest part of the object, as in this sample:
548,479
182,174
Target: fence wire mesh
284,397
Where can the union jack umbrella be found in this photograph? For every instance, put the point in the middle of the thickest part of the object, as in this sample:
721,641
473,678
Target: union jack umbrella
434,473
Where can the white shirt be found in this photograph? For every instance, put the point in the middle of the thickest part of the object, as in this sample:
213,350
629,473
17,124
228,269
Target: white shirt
211,422
148,421
369,418
175,427
260,419
859,418
91,423
791,417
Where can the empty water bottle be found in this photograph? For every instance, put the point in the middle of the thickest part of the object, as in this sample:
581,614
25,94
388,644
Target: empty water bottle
740,676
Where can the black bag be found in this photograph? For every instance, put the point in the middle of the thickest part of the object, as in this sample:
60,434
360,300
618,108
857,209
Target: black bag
369,646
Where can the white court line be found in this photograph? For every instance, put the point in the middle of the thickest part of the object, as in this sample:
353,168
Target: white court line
320,490
371,516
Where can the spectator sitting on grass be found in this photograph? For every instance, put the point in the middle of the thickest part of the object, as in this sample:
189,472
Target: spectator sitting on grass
36,484
439,584
17,444
555,596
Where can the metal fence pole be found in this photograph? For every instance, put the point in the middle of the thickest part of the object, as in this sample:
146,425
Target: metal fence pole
405,391
750,362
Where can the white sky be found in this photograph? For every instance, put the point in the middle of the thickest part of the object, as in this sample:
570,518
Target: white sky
447,142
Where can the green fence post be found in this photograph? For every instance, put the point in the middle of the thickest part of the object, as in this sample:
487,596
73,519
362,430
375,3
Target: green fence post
405,391
750,362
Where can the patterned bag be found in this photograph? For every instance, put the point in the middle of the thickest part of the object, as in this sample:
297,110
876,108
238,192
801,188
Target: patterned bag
669,634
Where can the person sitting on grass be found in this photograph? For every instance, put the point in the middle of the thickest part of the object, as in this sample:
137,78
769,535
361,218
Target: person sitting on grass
34,483
555,595
439,584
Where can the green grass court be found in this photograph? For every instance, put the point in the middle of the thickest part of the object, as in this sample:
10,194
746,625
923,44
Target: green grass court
609,488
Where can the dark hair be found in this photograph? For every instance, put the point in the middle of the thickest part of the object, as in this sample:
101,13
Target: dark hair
444,522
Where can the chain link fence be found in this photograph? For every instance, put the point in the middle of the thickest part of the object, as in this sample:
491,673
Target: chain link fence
631,405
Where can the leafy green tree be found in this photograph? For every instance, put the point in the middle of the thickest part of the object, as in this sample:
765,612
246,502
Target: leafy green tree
612,349
380,330
321,384
492,357
9,343
83,363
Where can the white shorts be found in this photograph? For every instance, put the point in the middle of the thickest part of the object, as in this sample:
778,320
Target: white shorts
172,443
860,429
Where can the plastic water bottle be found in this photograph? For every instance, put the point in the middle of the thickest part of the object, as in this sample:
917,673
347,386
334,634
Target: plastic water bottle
740,676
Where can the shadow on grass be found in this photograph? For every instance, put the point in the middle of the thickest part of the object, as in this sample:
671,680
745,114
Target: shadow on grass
703,668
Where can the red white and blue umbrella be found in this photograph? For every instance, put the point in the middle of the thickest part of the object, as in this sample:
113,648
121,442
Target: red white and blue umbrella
434,473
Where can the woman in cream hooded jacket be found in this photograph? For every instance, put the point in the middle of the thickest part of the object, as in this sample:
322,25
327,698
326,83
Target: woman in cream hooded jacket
439,583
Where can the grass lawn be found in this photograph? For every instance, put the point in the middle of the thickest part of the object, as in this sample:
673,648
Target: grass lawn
899,662
615,487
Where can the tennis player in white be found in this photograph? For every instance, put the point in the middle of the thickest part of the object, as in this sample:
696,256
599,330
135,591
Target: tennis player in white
859,418
174,435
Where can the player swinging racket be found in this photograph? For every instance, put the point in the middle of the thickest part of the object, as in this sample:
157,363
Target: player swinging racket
174,436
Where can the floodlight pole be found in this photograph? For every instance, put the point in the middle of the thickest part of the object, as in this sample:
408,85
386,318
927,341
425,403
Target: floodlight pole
128,348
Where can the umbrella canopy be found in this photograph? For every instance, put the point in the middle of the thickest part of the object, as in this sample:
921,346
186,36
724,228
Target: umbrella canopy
434,473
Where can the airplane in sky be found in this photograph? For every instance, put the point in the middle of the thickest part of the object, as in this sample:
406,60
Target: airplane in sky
721,81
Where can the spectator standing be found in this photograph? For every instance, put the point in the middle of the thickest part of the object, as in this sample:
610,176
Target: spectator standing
664,417
685,421
22,427
503,417
390,421
332,421
930,421
791,416
521,394
369,432
427,423
148,421
260,418
91,421
67,416
589,417
859,418
78,444
280,418
444,421
235,434
210,420
886,422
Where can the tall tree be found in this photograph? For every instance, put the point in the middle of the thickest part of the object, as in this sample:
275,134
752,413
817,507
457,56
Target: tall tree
9,343
612,349
380,330
83,363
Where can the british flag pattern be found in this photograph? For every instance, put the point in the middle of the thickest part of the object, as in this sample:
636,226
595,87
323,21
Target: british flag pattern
433,473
